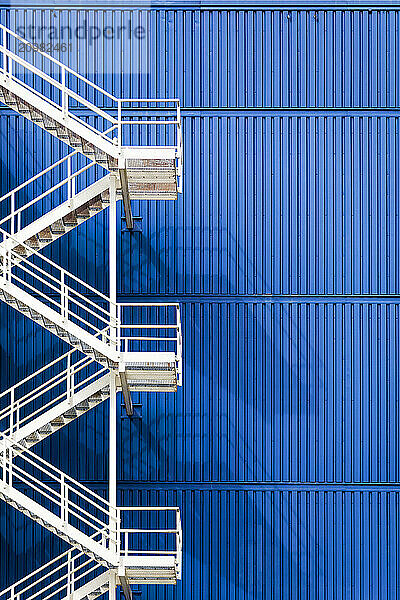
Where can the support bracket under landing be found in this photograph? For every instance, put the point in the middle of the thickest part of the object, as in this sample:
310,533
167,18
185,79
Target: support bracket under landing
126,394
126,588
125,198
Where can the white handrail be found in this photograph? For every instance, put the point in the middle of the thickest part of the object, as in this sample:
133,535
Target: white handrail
69,297
124,337
12,413
34,177
126,534
70,181
68,564
67,93
59,496
54,265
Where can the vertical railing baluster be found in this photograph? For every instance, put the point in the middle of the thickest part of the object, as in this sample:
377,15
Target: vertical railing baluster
64,94
12,408
69,174
119,125
12,228
69,377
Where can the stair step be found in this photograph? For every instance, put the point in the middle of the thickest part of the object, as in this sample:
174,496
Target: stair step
20,250
150,163
57,227
36,116
83,211
145,366
33,243
96,205
45,235
49,123
152,176
83,406
70,414
45,430
70,220
35,316
33,437
23,107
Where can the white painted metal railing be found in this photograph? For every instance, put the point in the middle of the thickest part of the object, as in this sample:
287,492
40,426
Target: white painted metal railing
65,574
59,577
118,330
71,501
128,536
68,186
56,288
23,406
158,325
116,114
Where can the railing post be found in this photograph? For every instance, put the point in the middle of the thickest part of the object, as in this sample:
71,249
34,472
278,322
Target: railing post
3,462
4,50
69,573
64,489
3,262
119,309
64,94
70,379
179,342
8,265
72,578
12,407
12,213
63,296
118,527
73,186
119,125
179,145
10,468
70,182
6,269
113,261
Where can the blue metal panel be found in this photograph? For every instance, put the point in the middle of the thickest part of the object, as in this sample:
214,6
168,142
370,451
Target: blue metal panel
282,447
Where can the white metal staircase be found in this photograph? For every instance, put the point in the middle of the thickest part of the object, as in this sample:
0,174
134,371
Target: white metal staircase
129,346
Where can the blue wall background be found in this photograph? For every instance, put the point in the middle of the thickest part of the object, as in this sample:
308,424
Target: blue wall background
282,448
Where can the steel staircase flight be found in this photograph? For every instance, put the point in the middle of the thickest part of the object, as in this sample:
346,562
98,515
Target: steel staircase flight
136,345
62,577
146,171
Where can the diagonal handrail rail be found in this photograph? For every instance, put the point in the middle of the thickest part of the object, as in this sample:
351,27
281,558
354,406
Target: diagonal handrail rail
64,493
65,565
67,301
69,298
70,182
15,413
67,93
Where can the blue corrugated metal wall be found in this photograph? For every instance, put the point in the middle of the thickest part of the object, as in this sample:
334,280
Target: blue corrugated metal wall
282,448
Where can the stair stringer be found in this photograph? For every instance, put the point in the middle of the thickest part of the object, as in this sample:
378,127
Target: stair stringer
102,384
86,342
50,218
71,124
94,588
56,525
